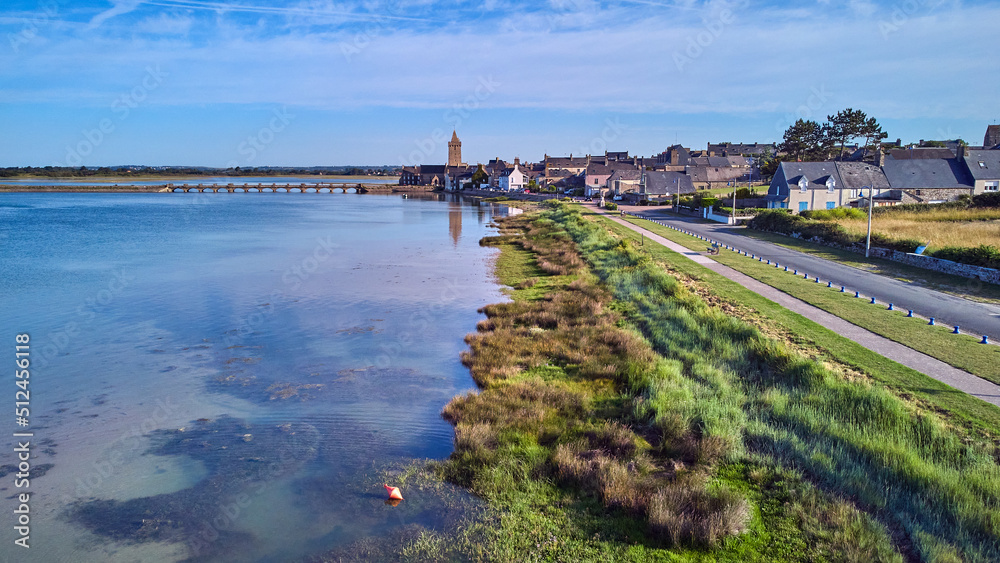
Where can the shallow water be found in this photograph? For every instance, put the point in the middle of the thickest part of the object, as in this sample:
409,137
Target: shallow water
195,180
224,378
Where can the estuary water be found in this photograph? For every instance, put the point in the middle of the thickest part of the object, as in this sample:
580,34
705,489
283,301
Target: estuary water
231,378
207,180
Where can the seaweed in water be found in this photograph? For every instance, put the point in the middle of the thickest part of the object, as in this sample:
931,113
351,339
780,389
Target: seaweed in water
241,459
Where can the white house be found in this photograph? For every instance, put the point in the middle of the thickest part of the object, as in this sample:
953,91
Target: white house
514,178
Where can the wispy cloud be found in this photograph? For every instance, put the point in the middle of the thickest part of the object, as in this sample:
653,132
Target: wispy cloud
119,7
761,58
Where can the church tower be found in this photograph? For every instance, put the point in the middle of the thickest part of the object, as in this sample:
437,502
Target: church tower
454,150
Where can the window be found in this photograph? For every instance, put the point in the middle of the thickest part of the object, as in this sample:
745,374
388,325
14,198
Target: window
982,164
831,185
830,205
993,186
803,184
803,205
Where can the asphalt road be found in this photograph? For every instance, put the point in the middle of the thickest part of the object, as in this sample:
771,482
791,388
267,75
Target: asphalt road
973,317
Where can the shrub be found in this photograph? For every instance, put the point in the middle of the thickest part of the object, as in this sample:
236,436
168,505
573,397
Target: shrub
611,206
991,199
834,214
982,255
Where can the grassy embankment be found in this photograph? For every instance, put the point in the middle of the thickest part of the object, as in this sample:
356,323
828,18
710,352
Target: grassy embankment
725,443
962,351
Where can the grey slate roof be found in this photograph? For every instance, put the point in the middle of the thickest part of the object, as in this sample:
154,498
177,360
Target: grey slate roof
927,173
815,173
989,170
662,183
856,175
625,174
919,153
595,169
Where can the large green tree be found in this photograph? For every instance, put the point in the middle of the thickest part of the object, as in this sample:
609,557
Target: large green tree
872,133
844,126
805,140
850,124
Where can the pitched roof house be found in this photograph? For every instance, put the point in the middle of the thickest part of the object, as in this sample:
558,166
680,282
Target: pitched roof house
805,186
666,183
984,167
929,180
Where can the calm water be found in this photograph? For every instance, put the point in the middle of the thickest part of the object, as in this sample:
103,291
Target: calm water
221,180
227,378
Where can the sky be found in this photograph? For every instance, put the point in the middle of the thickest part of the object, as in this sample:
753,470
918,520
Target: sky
385,82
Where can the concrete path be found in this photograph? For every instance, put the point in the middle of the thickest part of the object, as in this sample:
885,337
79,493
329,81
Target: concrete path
934,368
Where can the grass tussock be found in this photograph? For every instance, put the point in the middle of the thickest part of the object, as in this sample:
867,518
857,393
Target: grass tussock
616,403
548,369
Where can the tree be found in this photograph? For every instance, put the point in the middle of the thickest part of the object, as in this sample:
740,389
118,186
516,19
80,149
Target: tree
805,140
872,133
479,177
850,124
845,125
767,164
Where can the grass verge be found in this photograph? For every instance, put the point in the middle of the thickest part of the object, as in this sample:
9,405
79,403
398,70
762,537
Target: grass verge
962,351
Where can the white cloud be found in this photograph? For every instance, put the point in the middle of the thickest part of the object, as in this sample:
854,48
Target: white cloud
119,7
763,60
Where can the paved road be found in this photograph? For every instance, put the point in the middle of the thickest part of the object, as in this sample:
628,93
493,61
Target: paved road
949,310
932,367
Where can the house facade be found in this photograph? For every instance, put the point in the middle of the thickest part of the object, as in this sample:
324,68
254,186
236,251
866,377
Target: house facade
514,178
803,186
595,178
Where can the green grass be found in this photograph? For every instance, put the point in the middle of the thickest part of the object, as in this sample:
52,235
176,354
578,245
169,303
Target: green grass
962,351
571,397
824,344
850,436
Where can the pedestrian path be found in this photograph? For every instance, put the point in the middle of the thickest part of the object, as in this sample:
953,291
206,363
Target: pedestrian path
931,367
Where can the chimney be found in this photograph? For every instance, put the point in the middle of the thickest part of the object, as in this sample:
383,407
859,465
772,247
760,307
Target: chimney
517,161
880,159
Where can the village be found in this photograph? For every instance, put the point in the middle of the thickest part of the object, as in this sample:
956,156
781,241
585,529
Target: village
925,172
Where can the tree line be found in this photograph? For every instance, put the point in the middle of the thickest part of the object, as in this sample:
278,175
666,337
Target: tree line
808,140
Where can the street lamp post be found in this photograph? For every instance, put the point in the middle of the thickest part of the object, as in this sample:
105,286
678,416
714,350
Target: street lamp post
871,203
868,239
677,190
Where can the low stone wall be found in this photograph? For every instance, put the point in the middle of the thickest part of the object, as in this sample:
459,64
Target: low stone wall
511,195
988,275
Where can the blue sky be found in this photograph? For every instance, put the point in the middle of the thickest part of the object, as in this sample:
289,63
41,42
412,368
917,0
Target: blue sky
255,83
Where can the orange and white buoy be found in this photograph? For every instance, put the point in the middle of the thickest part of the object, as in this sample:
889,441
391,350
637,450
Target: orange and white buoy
394,493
